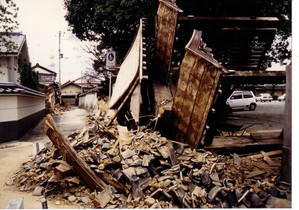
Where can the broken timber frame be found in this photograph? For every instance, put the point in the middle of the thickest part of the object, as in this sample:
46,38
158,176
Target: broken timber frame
71,156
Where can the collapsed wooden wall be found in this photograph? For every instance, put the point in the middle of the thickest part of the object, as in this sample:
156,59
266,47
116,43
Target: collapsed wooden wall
198,82
166,23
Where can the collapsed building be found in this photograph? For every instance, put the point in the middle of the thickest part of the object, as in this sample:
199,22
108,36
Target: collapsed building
141,168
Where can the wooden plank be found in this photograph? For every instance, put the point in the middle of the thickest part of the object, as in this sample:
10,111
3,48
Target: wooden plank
71,157
263,135
240,142
254,174
271,153
268,160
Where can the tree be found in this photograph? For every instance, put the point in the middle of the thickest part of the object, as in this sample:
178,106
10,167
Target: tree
111,22
8,14
28,77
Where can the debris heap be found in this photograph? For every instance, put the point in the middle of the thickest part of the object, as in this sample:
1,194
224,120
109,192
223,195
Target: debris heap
142,169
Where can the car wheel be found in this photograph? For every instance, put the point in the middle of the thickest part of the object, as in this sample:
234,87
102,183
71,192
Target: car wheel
252,107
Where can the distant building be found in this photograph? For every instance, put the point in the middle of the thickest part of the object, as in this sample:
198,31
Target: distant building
69,93
10,58
21,108
72,89
45,76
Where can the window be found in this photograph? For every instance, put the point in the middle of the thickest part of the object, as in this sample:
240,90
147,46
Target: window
247,94
237,95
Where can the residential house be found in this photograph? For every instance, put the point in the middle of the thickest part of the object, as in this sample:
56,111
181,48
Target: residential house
21,108
45,76
69,93
71,90
88,82
9,58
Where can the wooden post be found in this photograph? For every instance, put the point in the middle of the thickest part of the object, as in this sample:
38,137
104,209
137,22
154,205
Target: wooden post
71,157
286,166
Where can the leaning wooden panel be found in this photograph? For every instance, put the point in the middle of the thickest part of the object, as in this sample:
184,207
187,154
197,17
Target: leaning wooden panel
166,23
187,63
198,81
200,113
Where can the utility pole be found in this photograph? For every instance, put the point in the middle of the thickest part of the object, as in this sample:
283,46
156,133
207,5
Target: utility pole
60,55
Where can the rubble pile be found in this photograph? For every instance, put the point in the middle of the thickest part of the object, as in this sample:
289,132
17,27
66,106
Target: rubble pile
142,169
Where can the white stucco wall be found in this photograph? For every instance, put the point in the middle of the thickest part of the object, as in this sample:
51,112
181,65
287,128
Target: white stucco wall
9,69
8,108
3,69
16,107
88,101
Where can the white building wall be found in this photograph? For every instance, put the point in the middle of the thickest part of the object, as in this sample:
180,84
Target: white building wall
29,105
16,107
3,69
13,75
8,108
88,101
9,69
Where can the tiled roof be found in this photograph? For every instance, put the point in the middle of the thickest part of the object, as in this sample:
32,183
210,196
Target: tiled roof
12,88
44,68
18,39
90,91
70,83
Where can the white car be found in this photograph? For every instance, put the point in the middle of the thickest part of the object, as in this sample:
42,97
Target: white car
264,97
282,97
242,99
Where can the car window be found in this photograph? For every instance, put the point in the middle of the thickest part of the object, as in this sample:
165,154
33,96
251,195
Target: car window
237,95
247,94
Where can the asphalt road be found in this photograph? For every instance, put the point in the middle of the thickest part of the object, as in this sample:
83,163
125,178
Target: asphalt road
267,116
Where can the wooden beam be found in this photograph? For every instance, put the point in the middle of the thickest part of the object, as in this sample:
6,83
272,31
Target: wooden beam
71,156
257,74
248,29
271,153
209,18
227,143
136,82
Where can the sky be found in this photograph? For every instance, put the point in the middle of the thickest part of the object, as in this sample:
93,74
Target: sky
41,21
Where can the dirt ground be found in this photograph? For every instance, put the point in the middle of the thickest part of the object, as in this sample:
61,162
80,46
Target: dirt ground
11,159
13,154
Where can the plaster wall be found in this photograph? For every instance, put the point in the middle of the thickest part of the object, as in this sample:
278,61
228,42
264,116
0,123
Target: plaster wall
88,101
3,69
16,107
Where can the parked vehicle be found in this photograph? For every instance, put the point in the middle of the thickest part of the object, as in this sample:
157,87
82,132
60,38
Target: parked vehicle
282,97
264,97
242,99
